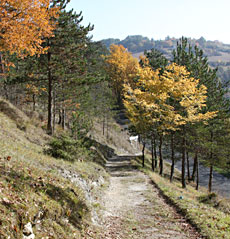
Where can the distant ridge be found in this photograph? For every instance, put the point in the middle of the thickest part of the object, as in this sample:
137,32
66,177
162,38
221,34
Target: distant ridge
218,53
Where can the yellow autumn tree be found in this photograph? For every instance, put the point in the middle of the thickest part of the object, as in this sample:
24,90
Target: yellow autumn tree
188,98
121,68
146,104
24,24
138,116
170,100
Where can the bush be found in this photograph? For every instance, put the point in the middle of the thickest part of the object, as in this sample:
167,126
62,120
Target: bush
67,148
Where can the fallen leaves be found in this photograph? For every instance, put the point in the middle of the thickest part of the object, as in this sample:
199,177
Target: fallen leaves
8,158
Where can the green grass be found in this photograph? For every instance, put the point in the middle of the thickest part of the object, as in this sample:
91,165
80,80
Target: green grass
32,189
210,214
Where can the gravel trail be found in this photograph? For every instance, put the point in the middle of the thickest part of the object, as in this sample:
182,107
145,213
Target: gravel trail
133,207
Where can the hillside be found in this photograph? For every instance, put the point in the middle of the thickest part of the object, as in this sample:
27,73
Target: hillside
217,52
52,197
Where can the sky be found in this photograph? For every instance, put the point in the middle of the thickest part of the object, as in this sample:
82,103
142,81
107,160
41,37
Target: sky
156,19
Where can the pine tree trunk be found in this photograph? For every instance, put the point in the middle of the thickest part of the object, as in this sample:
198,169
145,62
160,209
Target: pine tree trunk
155,151
143,155
54,110
60,117
183,161
172,157
194,167
188,166
210,179
103,125
107,127
211,168
197,175
63,118
160,156
16,100
34,102
152,154
63,110
50,98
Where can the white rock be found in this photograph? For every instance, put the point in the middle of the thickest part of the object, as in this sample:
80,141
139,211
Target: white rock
94,184
28,231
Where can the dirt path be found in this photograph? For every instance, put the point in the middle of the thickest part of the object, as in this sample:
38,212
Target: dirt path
134,209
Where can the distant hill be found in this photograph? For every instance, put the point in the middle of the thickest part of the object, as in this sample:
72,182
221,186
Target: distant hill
217,52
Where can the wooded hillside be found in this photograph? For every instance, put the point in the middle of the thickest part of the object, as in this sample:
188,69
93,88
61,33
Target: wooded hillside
217,52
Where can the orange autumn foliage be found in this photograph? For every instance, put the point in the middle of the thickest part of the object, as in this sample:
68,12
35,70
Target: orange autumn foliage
24,24
121,67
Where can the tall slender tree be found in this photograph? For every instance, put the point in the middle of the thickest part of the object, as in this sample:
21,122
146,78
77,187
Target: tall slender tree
65,63
197,65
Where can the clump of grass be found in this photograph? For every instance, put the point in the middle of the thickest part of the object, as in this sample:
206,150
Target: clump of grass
210,199
224,205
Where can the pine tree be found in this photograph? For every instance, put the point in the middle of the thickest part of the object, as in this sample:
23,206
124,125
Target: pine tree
155,59
65,61
207,136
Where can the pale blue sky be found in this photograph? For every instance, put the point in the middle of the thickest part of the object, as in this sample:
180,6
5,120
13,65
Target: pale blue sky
157,18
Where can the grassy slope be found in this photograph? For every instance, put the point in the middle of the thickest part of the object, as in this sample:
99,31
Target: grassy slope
32,190
207,212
